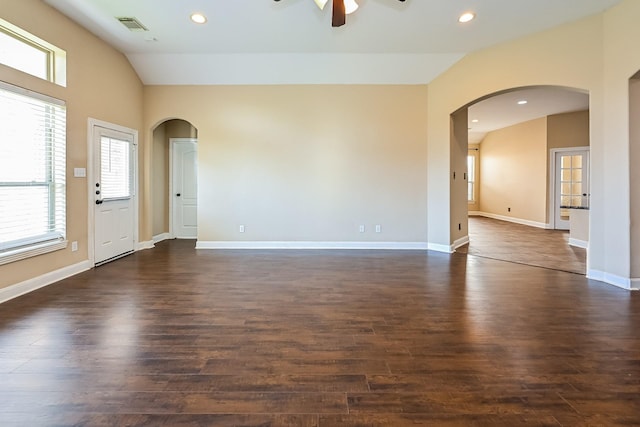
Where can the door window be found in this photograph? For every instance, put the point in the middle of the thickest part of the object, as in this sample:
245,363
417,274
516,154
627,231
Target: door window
115,168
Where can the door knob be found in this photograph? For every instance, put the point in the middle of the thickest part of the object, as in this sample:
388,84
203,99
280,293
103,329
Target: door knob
178,195
99,202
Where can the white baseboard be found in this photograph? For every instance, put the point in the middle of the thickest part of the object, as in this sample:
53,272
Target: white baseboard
460,242
145,245
512,219
578,243
311,245
161,237
46,279
612,279
447,249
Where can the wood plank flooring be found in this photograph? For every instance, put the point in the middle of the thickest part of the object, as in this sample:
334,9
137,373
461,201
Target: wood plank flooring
491,238
178,337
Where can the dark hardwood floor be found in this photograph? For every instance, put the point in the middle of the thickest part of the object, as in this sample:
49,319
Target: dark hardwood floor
506,241
177,337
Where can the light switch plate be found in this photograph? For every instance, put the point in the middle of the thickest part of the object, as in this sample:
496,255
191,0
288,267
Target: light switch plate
80,172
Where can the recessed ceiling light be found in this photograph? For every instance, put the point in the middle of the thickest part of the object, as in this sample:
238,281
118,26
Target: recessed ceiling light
198,18
466,17
523,102
475,121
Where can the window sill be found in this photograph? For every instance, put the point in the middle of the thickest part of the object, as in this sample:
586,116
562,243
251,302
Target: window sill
31,251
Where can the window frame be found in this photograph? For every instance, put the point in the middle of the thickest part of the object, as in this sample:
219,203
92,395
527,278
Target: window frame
471,179
56,57
54,238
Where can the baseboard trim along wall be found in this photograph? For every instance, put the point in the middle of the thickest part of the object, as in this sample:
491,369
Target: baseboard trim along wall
578,243
46,279
612,279
460,242
436,247
145,245
512,219
161,237
312,245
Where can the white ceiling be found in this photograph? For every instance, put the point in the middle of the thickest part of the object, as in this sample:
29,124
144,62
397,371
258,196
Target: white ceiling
292,41
503,110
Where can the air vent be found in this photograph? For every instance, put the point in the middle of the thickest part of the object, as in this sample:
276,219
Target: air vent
132,24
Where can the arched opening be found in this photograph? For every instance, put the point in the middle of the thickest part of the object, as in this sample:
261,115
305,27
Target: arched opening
167,200
526,154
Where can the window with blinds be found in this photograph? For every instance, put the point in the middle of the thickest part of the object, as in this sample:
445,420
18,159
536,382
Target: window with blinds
115,168
32,173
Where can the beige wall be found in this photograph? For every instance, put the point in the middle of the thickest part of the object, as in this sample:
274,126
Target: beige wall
160,169
597,54
621,62
305,163
291,163
568,130
100,84
514,171
574,50
160,179
562,131
459,150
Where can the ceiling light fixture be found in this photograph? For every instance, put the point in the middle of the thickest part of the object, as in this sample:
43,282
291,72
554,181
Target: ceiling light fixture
466,17
198,18
341,8
523,102
350,6
475,121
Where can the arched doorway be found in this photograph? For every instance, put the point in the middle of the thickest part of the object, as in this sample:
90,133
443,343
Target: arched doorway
173,138
513,142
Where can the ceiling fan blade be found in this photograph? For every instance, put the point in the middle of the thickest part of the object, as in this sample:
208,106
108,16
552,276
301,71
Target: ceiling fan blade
339,15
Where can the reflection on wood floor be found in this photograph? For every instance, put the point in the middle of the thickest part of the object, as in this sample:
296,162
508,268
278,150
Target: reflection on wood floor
172,336
506,241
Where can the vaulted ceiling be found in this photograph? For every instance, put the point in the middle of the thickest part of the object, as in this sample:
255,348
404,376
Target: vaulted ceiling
292,41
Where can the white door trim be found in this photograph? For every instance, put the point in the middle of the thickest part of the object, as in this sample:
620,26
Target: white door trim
172,141
552,180
92,124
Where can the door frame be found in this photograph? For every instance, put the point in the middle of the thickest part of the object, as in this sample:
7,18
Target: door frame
91,127
172,142
552,179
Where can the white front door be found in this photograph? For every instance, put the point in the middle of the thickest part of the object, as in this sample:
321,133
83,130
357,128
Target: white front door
184,157
114,190
571,185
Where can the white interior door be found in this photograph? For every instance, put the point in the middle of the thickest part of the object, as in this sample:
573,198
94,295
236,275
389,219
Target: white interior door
572,185
114,216
184,157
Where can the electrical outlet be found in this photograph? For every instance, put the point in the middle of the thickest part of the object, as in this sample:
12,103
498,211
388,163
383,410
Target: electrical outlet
362,228
508,209
241,229
378,228
74,246
459,226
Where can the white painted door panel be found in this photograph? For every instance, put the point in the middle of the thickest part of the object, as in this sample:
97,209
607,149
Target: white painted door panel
185,188
114,194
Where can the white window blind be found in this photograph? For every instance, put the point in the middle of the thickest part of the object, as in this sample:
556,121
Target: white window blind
115,168
32,170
